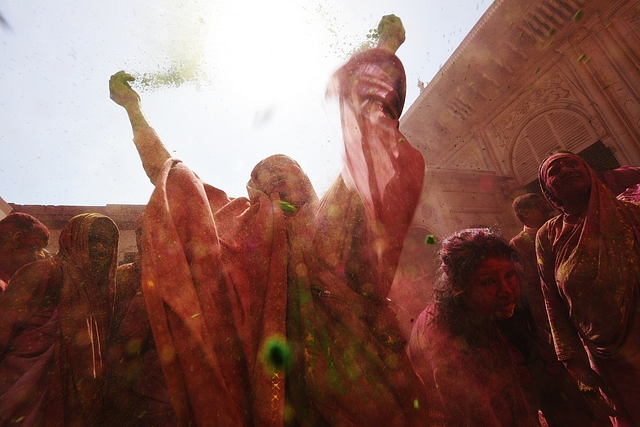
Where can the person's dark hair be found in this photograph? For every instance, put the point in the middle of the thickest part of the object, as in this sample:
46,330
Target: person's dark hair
526,201
22,222
462,253
460,256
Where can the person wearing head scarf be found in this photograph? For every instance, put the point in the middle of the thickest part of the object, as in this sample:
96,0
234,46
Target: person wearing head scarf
137,392
558,398
54,327
271,309
589,262
22,240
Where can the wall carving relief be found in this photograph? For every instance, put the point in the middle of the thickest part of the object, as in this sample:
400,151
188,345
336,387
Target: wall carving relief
623,97
555,88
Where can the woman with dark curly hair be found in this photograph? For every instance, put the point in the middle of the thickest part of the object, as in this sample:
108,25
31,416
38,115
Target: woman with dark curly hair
479,366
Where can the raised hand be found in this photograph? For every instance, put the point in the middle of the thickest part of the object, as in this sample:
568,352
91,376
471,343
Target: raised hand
121,92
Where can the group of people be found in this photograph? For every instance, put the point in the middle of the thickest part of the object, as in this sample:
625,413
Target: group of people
272,309
542,329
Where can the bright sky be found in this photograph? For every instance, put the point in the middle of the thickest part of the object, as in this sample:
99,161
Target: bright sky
256,76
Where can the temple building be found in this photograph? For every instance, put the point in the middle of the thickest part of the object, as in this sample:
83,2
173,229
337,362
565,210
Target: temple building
531,77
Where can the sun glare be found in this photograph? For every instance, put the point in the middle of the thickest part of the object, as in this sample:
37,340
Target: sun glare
263,52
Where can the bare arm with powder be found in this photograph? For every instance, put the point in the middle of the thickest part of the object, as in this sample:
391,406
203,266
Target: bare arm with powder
152,151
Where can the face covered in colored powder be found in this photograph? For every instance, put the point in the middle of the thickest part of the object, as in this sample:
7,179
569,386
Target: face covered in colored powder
103,239
283,175
494,288
566,178
28,248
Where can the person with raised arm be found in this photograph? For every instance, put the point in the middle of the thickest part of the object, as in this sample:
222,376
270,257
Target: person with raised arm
271,309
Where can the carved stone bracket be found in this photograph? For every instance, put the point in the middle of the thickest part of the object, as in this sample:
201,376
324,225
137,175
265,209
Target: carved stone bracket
554,89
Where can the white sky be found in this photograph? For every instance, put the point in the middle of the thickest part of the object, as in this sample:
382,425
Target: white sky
261,71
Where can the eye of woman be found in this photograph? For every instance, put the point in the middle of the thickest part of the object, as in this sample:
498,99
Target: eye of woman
572,163
488,281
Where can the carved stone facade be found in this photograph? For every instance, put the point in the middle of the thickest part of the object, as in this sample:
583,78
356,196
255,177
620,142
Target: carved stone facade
525,81
529,78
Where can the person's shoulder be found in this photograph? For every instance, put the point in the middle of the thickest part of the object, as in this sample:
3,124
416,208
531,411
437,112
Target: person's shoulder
549,229
516,239
33,275
421,342
429,326
40,268
125,270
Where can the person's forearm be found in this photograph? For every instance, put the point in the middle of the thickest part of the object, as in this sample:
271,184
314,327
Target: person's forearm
136,116
152,151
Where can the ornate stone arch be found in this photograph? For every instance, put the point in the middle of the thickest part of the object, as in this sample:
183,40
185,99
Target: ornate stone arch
566,127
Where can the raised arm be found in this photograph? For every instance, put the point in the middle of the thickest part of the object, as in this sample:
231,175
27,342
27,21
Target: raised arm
152,151
384,169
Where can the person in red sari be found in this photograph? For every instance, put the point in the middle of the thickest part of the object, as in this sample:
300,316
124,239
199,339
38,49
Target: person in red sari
558,396
474,340
589,262
271,309
137,392
53,330
22,240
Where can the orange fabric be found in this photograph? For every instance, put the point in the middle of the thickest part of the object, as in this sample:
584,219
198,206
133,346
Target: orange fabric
590,272
223,277
476,386
53,336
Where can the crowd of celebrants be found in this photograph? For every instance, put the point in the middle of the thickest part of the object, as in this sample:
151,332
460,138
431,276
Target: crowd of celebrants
272,309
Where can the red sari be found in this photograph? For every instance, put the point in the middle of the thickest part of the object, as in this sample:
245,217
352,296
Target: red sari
590,273
137,392
28,329
225,280
477,385
53,336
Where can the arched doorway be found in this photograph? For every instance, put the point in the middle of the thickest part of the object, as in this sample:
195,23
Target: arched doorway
547,131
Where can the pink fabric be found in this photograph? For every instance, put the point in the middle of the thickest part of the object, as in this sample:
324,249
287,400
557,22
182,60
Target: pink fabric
620,179
222,277
553,390
52,335
27,342
589,267
477,386
137,392
631,194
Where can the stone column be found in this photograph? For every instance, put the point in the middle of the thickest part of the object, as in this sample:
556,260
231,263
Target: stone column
567,62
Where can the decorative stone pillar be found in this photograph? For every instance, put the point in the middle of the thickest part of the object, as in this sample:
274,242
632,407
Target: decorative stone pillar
568,62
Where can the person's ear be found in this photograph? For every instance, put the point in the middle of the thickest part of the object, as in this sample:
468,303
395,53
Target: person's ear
17,239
